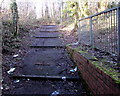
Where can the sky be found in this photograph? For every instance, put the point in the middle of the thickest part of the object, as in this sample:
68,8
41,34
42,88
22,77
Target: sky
38,3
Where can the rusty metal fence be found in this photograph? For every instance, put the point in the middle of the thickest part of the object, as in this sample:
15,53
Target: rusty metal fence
102,31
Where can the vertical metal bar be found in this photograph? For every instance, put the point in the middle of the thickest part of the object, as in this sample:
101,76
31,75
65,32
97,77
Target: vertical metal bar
94,21
79,31
100,31
111,36
102,35
116,34
91,33
109,32
118,14
97,32
105,31
105,18
114,31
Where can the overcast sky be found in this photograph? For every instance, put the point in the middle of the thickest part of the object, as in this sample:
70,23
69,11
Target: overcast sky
38,3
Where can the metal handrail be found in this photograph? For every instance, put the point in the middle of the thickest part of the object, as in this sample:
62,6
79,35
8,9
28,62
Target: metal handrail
117,27
100,13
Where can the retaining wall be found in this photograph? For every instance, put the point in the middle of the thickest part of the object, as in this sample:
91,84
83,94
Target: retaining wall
97,81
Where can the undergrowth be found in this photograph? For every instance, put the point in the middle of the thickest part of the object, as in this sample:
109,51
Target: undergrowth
9,41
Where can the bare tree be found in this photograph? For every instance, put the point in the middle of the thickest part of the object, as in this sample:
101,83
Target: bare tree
14,11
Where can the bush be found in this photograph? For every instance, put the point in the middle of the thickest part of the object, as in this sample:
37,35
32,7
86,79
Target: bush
9,42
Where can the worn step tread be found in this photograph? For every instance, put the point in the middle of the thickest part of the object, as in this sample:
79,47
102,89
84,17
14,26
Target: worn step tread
47,77
47,34
46,37
47,42
45,46
46,61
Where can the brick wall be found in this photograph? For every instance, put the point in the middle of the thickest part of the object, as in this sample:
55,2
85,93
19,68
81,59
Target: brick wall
97,81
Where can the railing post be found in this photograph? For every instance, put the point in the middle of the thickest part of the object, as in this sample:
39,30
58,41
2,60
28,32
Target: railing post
91,33
78,31
118,26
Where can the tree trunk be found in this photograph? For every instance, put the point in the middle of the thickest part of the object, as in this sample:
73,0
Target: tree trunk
14,18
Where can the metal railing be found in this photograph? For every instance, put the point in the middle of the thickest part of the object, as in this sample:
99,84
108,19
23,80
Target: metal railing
102,31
